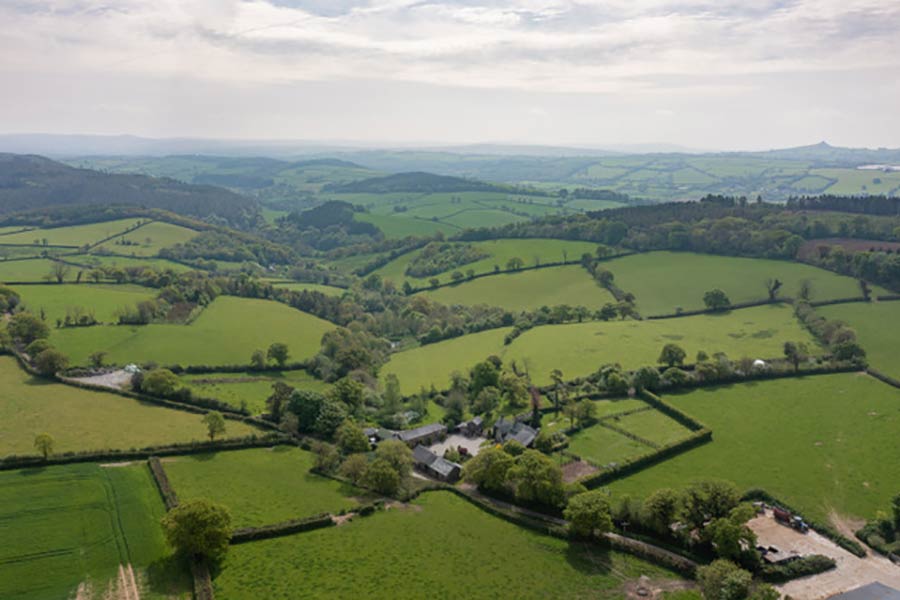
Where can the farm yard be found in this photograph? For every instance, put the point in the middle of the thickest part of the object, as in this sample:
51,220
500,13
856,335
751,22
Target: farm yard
582,348
398,553
282,486
86,420
248,389
223,334
665,281
818,443
527,290
68,530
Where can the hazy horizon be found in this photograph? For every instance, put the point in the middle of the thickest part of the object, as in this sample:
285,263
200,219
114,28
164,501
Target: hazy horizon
702,74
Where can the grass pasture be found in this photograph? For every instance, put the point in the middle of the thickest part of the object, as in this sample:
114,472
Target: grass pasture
103,301
665,281
248,389
260,486
225,333
528,290
440,543
500,251
820,443
85,420
75,235
654,426
67,529
294,286
150,239
581,348
602,445
397,226
31,270
878,328
124,262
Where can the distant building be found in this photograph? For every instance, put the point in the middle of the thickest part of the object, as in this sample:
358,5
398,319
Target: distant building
426,435
506,430
435,466
472,428
873,591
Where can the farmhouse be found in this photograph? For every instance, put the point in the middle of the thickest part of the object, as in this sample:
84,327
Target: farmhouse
426,434
472,428
506,430
435,466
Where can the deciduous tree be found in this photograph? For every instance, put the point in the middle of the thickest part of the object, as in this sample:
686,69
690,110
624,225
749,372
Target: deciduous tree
199,528
588,514
215,424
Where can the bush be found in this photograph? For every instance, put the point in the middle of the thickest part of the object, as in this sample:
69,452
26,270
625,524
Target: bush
802,567
50,361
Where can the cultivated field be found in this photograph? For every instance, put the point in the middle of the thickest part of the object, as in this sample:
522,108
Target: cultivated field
86,420
529,250
878,329
665,281
248,389
261,486
66,531
820,443
581,348
226,333
76,235
528,290
439,543
103,301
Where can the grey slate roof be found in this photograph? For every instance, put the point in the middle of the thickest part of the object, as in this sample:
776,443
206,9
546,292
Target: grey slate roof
424,456
444,467
409,435
873,591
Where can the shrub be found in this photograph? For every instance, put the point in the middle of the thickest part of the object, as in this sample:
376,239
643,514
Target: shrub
50,361
199,528
159,382
37,346
802,567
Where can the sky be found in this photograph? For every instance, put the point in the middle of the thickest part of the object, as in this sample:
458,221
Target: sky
705,74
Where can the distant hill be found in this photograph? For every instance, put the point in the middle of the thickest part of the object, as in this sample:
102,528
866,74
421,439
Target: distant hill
29,182
417,182
826,154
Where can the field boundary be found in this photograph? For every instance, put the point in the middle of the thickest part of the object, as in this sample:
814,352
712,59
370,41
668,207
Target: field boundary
170,498
253,534
884,378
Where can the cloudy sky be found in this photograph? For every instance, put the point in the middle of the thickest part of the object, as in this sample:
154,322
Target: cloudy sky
717,74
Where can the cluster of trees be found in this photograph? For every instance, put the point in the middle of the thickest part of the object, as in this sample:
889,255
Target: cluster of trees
883,532
278,353
31,333
488,386
326,227
882,267
232,247
437,257
528,476
835,335
387,471
345,350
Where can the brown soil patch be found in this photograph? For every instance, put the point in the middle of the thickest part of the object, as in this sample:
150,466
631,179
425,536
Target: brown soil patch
342,519
574,471
112,465
394,505
846,525
653,588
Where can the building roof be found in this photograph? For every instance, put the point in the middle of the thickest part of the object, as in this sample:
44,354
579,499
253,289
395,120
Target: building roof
873,591
423,456
444,467
524,436
420,432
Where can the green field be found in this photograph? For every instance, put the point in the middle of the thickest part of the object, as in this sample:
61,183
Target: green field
66,530
248,389
226,333
820,443
85,420
76,235
654,426
581,348
440,547
603,446
528,290
849,182
261,486
37,269
124,262
500,251
878,330
397,226
150,239
103,301
665,281
294,286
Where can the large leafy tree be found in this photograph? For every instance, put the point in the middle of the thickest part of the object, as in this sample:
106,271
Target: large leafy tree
537,478
588,513
199,528
488,470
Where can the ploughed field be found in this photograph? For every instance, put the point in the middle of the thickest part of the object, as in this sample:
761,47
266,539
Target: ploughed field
528,290
820,443
225,333
81,420
260,486
581,348
439,544
66,531
662,282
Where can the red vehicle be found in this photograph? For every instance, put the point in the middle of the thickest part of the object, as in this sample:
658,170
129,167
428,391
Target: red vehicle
781,515
791,520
